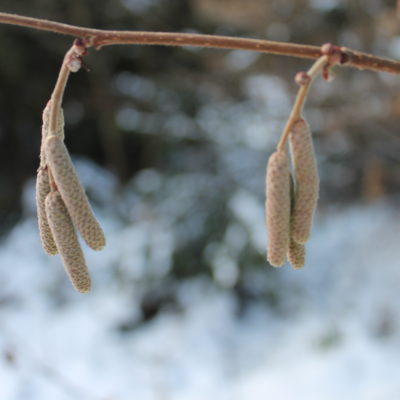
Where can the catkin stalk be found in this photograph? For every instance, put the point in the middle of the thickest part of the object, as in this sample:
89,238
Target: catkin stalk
42,190
72,193
278,207
306,181
59,132
67,242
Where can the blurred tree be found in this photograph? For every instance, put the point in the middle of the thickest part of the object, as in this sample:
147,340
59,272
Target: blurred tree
196,117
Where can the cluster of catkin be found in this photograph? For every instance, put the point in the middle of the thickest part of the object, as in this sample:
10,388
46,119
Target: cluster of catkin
62,205
291,199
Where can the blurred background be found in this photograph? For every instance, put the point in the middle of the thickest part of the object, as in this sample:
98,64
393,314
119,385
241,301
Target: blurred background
171,145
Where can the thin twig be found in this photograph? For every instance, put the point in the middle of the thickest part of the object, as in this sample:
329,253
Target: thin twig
98,37
301,98
58,93
55,104
71,62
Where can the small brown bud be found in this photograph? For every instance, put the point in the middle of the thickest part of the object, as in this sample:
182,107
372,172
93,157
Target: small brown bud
42,190
67,242
278,207
72,193
306,181
328,73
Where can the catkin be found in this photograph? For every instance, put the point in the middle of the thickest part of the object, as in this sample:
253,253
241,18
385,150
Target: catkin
296,251
42,190
59,132
67,242
72,193
278,207
296,254
306,181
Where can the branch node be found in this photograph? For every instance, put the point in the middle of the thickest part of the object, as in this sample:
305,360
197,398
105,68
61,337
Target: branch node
80,47
345,56
89,40
73,59
333,53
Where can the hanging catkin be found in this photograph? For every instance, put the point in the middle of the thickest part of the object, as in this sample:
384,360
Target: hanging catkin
306,181
42,190
296,251
296,254
43,183
278,207
67,242
72,193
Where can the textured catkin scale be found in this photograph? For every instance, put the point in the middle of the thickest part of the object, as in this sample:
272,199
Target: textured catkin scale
42,190
306,181
67,242
278,207
59,132
296,251
72,193
296,254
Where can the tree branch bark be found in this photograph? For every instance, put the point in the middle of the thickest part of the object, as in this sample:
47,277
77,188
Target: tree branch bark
98,38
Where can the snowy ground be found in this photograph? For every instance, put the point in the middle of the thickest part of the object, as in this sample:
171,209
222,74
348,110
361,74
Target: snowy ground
338,337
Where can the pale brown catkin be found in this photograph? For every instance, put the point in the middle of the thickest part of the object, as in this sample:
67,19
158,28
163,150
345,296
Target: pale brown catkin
296,254
43,181
278,207
306,180
72,193
42,190
67,242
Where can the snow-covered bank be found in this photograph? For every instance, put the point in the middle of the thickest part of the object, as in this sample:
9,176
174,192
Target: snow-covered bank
337,336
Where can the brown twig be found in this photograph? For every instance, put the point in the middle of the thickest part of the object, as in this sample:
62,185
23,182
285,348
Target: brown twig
58,93
98,38
71,63
301,97
55,104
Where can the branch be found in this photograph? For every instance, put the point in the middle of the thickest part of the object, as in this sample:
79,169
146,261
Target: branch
98,38
304,80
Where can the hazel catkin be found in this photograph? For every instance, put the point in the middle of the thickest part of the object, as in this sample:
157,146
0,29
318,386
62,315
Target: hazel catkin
67,242
296,251
296,254
278,207
72,193
42,190
306,181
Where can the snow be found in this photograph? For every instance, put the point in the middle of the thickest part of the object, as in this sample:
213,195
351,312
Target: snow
334,334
